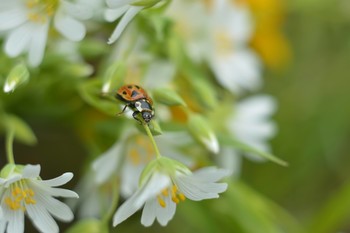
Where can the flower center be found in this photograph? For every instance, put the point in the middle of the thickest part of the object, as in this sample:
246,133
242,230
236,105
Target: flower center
142,153
176,196
19,196
40,10
223,42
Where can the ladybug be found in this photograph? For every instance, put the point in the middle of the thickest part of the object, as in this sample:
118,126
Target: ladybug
137,99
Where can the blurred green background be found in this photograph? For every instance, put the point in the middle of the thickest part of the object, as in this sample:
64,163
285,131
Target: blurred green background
313,118
314,132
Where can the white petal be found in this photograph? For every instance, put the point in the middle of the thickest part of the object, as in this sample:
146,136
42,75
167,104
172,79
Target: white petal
210,174
155,185
16,222
58,192
238,70
18,40
31,171
230,160
148,190
258,106
118,3
79,11
38,44
55,207
196,190
113,14
3,224
165,214
107,163
12,18
41,218
130,177
149,212
58,181
128,16
69,27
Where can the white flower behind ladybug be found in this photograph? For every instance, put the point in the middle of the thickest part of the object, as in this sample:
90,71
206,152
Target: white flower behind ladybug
22,191
26,23
164,184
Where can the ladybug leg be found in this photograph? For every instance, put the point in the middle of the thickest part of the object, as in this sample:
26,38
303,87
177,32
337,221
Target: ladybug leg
134,115
118,114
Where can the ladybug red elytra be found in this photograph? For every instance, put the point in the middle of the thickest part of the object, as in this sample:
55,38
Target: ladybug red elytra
137,99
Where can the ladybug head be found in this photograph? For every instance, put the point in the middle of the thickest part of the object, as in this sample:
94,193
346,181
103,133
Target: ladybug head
147,116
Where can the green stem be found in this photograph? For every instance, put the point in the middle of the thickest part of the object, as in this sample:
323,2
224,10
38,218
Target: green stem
9,146
148,131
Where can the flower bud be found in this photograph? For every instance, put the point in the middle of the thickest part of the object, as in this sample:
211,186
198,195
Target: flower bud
17,76
88,226
114,77
202,132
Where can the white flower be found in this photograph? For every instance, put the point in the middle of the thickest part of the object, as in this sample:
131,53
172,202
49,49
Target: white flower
23,192
219,35
251,124
160,193
26,24
129,156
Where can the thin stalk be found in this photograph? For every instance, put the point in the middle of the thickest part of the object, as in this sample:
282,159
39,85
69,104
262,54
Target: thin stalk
9,146
148,131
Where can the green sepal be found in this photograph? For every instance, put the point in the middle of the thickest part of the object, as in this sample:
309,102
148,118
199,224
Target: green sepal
168,97
21,129
165,165
227,140
7,170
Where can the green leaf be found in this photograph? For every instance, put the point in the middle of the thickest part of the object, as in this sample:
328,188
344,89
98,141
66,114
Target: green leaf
246,148
22,131
334,214
168,97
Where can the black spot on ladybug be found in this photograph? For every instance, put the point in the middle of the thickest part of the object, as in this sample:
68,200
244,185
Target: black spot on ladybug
138,87
134,93
129,86
124,92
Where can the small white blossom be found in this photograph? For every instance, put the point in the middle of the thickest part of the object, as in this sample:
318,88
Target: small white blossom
251,124
162,190
219,35
24,192
26,23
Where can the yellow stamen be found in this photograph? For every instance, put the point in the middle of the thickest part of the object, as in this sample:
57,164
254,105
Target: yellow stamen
181,196
19,196
161,202
134,155
165,192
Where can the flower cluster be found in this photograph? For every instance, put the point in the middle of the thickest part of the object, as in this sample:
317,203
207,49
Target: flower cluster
180,76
